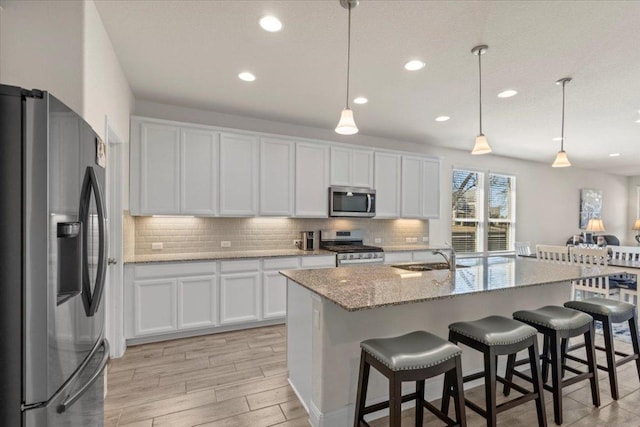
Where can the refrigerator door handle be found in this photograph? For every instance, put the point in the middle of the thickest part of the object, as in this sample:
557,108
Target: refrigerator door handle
90,185
70,400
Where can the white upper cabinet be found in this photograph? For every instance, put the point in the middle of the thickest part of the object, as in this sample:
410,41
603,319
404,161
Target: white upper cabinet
238,175
420,188
387,184
277,160
199,172
351,167
159,169
312,180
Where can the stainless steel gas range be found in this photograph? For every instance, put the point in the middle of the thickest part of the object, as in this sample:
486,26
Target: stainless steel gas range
350,248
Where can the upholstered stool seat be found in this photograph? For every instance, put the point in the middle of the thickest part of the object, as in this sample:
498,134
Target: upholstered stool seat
495,336
608,312
415,356
558,324
415,350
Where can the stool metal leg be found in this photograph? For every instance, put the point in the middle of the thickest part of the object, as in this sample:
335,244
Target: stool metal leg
490,387
420,402
611,362
633,329
363,383
538,386
556,377
592,363
395,401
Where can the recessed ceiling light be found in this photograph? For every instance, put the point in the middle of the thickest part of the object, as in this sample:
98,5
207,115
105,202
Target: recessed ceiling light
246,76
442,118
557,138
414,65
614,155
507,93
270,23
361,100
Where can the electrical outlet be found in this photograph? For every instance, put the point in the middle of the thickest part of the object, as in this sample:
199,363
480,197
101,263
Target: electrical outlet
407,239
225,244
411,239
425,239
377,240
156,246
296,242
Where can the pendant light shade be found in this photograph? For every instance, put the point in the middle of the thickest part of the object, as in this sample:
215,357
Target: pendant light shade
482,145
562,161
346,125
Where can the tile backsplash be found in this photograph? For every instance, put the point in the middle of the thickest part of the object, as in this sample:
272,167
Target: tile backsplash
191,234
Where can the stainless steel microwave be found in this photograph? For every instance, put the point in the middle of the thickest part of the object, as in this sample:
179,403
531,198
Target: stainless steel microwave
352,202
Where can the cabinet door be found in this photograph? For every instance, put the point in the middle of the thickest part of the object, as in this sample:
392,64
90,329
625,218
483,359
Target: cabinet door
197,302
238,175
276,177
274,295
362,168
387,185
199,172
341,166
159,169
312,180
239,298
155,306
411,187
430,188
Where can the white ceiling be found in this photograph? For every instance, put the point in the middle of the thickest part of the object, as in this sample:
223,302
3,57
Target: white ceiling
189,53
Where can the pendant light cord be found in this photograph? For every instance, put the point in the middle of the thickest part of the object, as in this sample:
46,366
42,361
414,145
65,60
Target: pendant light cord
480,85
348,54
562,133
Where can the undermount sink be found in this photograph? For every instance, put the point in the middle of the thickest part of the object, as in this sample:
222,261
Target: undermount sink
426,266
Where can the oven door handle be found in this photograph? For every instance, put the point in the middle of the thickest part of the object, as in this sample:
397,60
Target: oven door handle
361,261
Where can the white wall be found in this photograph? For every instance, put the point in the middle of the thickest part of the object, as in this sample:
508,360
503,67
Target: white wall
62,47
547,199
634,206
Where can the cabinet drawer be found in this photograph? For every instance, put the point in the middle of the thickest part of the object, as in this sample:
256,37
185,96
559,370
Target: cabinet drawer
280,263
163,270
421,255
239,266
318,261
393,257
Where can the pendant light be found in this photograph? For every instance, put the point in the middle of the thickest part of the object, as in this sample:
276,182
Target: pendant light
562,161
482,145
346,125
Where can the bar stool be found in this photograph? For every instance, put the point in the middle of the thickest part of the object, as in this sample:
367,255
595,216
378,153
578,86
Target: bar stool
609,312
558,324
412,357
495,336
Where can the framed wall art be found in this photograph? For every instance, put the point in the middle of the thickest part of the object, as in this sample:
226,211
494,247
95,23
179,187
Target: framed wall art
590,205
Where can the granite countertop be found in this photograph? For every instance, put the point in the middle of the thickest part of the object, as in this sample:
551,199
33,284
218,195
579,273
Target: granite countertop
224,255
360,288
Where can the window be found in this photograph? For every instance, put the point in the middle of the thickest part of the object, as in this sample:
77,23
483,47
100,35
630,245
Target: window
483,212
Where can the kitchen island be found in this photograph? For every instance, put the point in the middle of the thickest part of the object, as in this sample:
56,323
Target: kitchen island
330,311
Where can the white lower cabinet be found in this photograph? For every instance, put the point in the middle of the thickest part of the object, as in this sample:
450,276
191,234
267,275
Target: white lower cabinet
239,298
197,302
155,304
274,286
397,257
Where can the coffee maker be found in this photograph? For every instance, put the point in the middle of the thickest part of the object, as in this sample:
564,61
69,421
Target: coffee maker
309,241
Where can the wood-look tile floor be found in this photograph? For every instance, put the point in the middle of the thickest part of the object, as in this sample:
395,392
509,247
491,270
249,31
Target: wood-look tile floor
231,379
240,379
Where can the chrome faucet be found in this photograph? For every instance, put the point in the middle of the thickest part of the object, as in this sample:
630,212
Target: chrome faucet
450,260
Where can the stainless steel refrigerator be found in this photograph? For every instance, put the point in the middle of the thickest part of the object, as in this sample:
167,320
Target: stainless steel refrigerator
53,252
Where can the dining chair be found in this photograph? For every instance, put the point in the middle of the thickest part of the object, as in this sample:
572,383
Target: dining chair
523,248
596,285
553,253
628,284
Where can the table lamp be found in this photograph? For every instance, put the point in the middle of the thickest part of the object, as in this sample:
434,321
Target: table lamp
595,225
636,227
